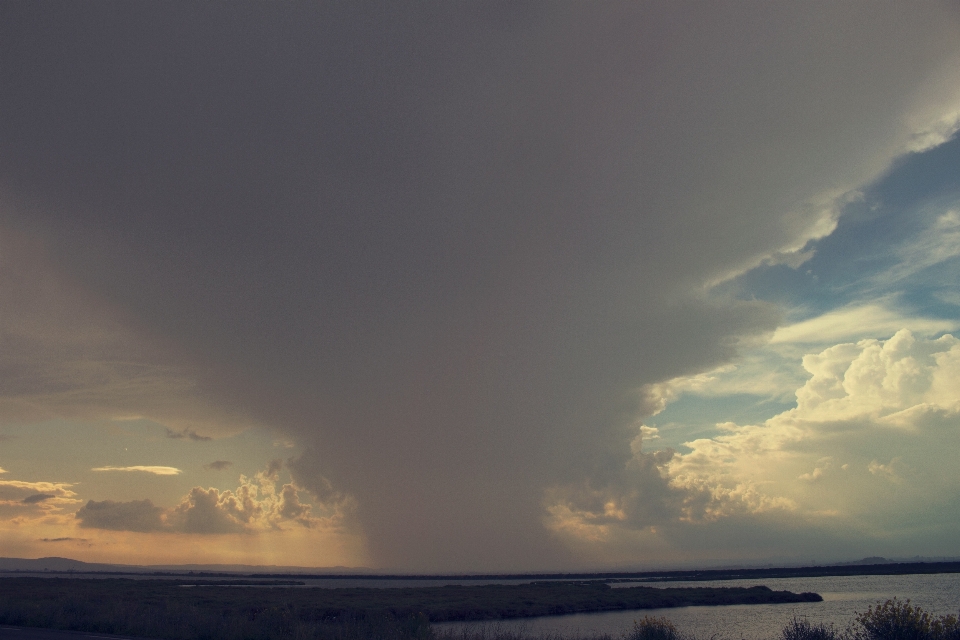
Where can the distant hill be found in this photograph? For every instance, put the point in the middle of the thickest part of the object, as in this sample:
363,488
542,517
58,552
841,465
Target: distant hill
914,559
67,565
870,560
53,564
865,566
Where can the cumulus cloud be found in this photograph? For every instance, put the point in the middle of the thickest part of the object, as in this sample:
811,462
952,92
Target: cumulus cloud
255,506
861,398
818,472
888,471
641,497
155,470
207,511
890,408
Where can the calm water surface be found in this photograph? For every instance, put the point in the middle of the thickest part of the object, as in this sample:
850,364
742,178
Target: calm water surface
842,597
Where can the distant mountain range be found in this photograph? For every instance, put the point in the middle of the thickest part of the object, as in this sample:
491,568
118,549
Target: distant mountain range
67,565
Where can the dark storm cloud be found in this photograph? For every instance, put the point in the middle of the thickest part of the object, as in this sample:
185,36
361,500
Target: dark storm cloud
135,515
63,540
187,433
441,246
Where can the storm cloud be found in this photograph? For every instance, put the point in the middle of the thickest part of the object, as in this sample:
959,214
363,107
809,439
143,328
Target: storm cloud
135,515
443,247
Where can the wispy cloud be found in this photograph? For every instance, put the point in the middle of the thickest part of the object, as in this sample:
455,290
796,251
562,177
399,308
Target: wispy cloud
855,322
57,488
37,497
938,243
160,471
218,465
64,540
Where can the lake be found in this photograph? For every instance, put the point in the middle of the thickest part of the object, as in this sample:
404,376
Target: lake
843,596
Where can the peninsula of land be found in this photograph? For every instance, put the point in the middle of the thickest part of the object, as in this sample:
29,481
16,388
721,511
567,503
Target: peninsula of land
29,600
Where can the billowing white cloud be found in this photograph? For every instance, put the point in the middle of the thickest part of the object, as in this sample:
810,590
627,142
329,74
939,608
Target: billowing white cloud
869,445
155,470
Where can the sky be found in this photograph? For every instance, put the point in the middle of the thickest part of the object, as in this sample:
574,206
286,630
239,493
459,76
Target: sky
479,287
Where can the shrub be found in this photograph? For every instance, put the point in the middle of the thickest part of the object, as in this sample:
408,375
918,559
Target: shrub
651,628
801,629
898,620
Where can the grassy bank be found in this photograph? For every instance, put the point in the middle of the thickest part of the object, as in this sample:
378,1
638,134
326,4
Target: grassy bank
172,610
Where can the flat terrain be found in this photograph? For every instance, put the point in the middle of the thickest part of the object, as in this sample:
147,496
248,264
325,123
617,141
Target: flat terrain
32,633
452,602
884,569
223,611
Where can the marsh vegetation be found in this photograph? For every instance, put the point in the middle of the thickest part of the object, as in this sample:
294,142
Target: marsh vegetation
198,610
206,610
